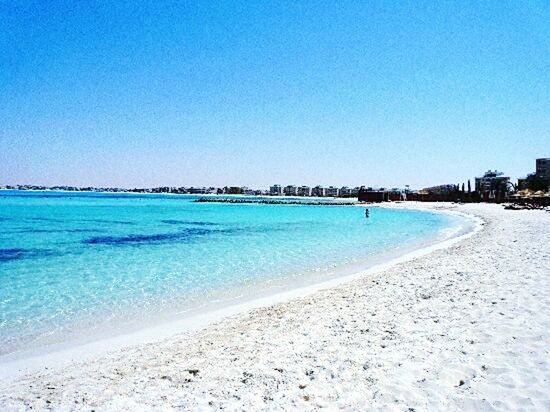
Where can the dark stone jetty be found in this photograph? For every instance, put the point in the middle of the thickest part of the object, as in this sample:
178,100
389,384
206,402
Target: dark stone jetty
273,202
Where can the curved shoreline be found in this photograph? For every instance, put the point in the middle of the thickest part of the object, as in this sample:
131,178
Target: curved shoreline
55,355
464,327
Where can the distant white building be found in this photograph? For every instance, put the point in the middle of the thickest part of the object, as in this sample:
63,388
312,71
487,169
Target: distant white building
345,191
197,190
332,191
276,190
543,168
304,191
540,180
247,191
318,191
492,184
290,190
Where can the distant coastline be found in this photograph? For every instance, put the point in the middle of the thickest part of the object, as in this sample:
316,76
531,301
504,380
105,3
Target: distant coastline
329,192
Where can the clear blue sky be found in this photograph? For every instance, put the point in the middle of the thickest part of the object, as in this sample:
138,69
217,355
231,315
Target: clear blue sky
257,92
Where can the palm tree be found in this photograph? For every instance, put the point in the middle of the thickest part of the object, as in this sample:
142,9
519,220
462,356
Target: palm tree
512,187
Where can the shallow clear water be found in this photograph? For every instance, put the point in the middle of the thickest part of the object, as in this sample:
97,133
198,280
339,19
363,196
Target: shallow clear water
77,265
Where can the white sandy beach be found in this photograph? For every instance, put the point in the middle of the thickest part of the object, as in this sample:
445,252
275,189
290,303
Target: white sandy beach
462,328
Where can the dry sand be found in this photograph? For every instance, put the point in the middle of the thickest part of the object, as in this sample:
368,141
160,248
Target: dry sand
463,328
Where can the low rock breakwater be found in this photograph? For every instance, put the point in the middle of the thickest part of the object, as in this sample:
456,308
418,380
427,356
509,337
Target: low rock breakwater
274,202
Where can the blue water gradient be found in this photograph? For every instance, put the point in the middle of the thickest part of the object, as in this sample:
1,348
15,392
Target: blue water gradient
84,264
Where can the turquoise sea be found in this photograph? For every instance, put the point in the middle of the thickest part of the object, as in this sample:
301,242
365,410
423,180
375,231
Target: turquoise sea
77,266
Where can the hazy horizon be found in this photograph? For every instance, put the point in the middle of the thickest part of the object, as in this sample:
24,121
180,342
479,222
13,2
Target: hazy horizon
256,93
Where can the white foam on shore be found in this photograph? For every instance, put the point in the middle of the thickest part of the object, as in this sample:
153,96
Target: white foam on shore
15,365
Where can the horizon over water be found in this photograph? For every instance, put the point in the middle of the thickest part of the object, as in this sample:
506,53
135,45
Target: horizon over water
81,266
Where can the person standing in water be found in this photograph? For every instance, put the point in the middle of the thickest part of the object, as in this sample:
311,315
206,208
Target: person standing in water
367,213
